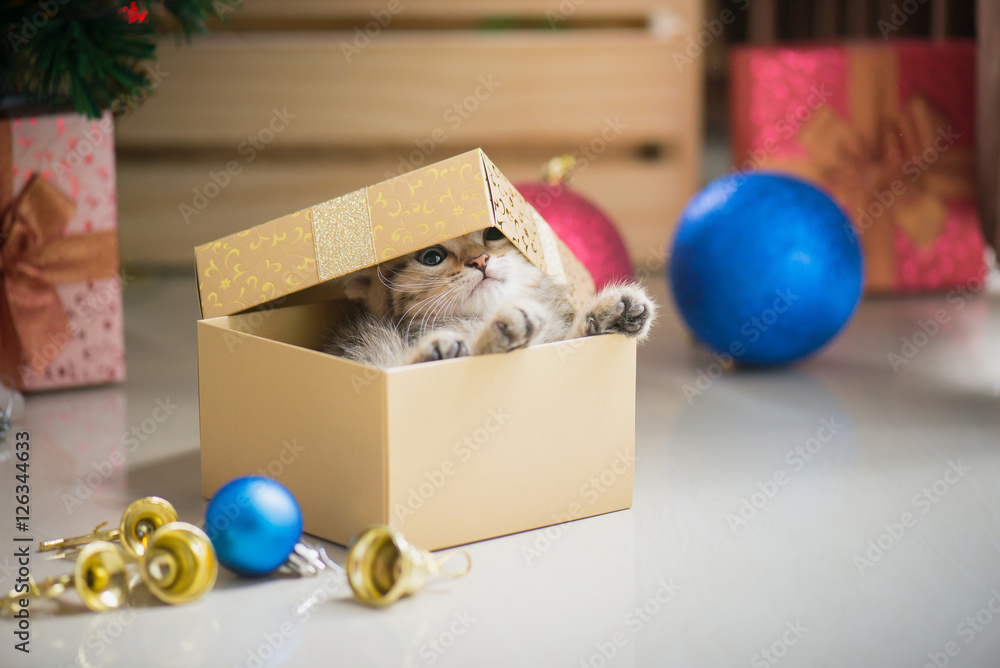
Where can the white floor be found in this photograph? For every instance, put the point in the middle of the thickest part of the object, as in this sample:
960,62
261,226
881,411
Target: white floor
839,513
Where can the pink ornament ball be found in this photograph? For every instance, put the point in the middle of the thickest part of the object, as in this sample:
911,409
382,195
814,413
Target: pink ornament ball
584,228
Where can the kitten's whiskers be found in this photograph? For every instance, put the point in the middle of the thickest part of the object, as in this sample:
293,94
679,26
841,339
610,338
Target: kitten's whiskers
393,285
431,309
431,298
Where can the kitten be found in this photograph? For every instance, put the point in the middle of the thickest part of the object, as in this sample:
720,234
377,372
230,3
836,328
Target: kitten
473,295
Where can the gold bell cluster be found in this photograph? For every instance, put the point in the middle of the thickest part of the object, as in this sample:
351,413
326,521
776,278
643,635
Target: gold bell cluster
174,560
177,563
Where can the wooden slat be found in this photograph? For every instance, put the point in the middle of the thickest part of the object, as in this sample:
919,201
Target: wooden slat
987,103
644,197
552,88
939,19
825,19
858,14
453,8
763,21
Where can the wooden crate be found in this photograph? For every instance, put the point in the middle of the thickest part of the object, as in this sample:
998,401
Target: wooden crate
329,111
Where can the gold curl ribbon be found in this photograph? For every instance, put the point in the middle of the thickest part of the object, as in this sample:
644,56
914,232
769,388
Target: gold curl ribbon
35,256
871,154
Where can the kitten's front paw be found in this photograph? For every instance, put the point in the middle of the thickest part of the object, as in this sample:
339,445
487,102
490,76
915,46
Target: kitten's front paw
513,326
623,309
439,346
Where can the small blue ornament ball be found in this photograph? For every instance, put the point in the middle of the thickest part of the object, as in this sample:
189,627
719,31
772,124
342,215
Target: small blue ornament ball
254,523
765,268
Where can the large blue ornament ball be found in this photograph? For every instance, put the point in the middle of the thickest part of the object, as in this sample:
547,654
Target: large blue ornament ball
254,523
765,268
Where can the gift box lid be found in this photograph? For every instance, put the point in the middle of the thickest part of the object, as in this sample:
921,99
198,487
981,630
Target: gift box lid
372,225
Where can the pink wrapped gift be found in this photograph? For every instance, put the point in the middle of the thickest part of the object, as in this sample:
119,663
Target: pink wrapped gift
888,130
60,291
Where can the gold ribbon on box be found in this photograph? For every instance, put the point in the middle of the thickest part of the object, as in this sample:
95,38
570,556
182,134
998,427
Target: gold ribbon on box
868,158
35,256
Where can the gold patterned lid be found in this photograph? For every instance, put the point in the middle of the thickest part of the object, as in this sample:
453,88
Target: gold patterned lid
372,225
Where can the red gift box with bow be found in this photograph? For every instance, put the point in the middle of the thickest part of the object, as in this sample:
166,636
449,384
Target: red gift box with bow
888,130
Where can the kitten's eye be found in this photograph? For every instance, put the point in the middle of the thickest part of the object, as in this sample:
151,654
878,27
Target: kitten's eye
431,256
492,234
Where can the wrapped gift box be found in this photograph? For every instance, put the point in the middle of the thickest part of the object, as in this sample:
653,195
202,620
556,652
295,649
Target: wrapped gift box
60,291
448,452
888,130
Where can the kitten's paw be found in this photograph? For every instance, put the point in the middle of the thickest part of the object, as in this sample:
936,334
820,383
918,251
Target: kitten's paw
622,309
513,326
439,346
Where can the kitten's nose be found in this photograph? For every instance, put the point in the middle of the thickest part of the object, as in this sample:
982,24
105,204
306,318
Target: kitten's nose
479,262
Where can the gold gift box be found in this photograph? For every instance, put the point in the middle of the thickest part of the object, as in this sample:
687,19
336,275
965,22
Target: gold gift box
448,452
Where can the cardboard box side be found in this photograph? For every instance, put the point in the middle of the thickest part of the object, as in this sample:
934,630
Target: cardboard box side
548,438
312,421
304,325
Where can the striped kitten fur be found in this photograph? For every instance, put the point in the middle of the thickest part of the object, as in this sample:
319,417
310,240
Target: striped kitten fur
473,295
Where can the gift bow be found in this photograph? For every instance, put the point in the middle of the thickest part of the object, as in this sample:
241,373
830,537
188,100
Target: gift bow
874,163
35,256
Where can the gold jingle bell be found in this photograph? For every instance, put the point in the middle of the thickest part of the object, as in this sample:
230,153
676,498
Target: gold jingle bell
100,577
179,564
140,520
382,566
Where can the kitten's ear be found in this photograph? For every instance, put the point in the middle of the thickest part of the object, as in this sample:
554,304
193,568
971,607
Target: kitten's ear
359,285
